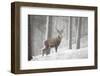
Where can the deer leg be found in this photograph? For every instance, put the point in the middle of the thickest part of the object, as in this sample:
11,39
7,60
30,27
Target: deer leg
43,51
48,51
56,48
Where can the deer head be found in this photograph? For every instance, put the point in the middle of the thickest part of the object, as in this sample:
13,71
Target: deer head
60,31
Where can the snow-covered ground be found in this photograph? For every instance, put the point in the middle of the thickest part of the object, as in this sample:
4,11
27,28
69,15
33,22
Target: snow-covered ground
65,54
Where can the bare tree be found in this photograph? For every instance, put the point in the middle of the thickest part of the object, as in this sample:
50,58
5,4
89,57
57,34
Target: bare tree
48,30
70,32
78,35
29,40
47,23
49,27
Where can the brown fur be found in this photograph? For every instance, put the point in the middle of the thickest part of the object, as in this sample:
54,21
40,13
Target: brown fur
51,43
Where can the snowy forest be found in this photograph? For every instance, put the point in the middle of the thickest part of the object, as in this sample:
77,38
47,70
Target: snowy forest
74,37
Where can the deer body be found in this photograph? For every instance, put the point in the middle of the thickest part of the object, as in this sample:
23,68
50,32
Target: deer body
52,43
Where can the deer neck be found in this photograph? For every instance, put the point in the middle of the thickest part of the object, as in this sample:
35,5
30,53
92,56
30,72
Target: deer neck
59,37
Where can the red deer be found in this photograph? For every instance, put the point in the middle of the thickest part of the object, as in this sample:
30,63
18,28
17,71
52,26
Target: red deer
52,42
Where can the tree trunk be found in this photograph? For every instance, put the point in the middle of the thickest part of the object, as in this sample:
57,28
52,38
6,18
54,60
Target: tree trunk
29,40
47,23
70,33
49,27
78,35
